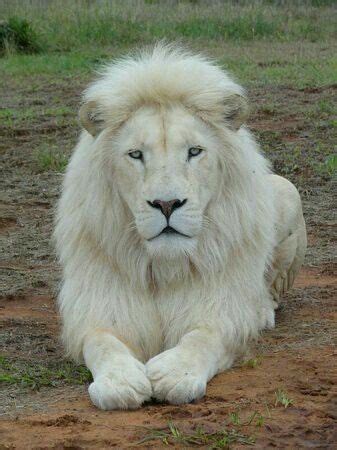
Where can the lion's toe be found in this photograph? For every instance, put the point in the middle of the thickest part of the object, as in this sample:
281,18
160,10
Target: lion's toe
186,390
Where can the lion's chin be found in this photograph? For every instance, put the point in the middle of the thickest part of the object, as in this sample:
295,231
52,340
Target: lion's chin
170,246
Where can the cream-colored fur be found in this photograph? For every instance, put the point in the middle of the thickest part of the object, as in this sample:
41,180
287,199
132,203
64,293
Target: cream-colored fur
160,314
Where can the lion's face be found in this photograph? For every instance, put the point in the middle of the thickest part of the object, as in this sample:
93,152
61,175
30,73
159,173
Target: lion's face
166,169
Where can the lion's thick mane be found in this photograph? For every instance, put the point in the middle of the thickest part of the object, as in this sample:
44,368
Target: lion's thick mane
93,233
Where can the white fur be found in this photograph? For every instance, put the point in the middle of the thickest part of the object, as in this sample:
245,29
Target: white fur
181,306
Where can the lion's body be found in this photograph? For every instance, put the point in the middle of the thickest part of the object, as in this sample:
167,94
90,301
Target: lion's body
123,297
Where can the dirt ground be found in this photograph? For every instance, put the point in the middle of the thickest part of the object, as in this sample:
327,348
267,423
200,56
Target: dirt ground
42,408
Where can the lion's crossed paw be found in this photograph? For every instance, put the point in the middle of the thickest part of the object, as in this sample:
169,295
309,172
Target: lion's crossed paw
126,389
174,379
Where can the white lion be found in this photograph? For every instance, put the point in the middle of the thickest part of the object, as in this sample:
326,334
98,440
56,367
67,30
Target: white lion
175,238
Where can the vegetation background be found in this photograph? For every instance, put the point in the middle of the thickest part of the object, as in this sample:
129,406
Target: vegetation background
285,53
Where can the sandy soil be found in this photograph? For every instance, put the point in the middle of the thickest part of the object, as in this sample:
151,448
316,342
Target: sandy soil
298,356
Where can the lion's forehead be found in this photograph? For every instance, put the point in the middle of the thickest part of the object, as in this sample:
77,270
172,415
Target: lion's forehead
163,129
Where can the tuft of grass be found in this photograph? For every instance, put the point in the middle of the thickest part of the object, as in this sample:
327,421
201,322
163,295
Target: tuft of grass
18,35
172,435
282,398
327,107
36,376
259,420
49,159
235,418
326,165
254,419
252,363
330,165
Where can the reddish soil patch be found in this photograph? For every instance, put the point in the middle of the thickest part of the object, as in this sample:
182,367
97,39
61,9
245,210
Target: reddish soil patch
309,422
314,277
32,307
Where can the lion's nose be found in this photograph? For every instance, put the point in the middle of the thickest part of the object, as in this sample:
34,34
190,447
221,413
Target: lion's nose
167,207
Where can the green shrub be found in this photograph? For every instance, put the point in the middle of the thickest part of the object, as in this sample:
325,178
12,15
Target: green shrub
18,35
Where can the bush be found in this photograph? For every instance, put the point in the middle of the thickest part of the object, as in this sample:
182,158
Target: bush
18,35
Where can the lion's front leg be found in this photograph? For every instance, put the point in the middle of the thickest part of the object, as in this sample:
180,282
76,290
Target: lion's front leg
180,374
120,381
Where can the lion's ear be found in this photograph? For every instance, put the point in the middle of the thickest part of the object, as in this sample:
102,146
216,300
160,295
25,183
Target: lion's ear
91,118
236,110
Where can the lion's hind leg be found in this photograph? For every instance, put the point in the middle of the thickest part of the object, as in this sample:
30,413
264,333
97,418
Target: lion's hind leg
291,237
288,259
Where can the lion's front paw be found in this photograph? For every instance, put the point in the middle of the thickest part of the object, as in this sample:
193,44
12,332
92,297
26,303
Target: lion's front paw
122,388
174,378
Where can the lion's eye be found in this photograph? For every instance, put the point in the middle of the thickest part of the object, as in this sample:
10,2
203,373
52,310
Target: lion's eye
136,154
194,151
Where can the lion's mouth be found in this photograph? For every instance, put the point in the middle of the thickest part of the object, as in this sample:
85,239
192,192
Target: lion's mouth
169,230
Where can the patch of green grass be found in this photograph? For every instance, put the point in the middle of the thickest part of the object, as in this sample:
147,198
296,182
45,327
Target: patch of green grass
60,111
269,109
5,364
36,376
330,165
65,25
313,72
75,63
300,71
282,398
9,116
327,106
322,109
298,162
244,28
51,159
172,435
13,117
